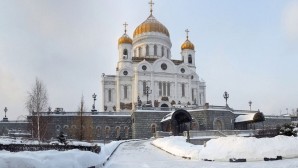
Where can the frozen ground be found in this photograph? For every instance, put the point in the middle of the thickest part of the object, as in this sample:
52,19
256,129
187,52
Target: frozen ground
138,154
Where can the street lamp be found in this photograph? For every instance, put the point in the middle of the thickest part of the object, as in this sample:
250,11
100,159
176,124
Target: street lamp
5,110
226,96
94,98
249,103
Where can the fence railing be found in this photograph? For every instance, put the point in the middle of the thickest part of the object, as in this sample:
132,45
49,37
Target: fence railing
42,147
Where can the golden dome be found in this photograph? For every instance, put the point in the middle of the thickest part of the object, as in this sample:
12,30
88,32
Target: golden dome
151,25
124,39
187,45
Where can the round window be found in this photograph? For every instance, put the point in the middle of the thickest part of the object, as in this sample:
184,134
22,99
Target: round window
125,73
182,70
164,66
144,67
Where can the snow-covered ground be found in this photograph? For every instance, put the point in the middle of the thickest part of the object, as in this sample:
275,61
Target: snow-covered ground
225,148
135,154
53,158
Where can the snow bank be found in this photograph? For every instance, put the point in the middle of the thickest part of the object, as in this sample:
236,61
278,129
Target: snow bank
178,146
48,159
252,149
225,148
52,158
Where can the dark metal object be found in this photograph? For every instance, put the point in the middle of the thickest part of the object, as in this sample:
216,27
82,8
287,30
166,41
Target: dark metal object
226,96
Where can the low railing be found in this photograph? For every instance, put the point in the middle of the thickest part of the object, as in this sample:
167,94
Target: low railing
42,147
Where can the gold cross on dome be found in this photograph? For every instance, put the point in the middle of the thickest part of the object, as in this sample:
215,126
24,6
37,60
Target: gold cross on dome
125,25
187,31
151,5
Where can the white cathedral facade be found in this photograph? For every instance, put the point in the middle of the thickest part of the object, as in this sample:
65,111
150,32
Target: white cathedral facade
146,74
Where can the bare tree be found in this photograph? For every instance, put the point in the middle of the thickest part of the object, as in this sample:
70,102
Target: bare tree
83,129
37,101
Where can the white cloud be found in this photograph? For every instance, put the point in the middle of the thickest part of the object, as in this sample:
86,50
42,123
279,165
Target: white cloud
290,20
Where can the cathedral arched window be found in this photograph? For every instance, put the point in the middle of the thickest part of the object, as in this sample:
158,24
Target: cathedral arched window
189,59
125,92
183,89
147,50
125,52
168,53
140,51
155,50
144,87
168,89
134,53
162,51
110,95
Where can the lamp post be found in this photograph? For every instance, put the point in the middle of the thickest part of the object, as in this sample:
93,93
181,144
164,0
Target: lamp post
94,98
147,93
5,110
226,96
249,103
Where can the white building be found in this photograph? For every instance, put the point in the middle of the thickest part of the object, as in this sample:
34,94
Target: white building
145,64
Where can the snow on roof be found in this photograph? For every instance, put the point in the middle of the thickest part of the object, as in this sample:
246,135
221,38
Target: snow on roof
246,117
167,117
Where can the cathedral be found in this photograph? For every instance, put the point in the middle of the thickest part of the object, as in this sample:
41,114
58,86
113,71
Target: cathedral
146,74
150,94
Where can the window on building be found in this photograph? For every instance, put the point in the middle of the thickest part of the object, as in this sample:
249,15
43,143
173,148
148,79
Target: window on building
164,89
140,51
183,90
155,50
98,131
110,94
147,50
200,98
168,53
117,132
168,88
134,53
192,94
125,52
153,128
162,51
107,132
160,88
126,132
189,59
125,92
144,87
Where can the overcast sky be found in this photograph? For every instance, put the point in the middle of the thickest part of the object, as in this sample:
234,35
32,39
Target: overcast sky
248,48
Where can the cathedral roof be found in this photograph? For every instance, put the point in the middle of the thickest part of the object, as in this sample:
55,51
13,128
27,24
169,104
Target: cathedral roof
124,39
187,45
151,25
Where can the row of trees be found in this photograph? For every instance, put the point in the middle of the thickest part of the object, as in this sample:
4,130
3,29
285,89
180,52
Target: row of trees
37,102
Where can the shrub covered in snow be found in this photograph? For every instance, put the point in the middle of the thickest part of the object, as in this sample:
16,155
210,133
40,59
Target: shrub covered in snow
288,130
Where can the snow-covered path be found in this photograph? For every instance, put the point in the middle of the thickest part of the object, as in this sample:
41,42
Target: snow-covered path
141,154
138,154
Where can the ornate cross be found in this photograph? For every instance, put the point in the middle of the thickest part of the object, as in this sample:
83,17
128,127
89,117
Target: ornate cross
125,25
151,4
187,33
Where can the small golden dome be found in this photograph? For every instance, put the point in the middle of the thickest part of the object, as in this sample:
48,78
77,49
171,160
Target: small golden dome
151,25
187,45
124,39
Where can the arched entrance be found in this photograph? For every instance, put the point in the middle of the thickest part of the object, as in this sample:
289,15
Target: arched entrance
176,122
164,105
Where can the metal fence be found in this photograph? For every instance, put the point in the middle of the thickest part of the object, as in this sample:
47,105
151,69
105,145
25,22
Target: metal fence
42,147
